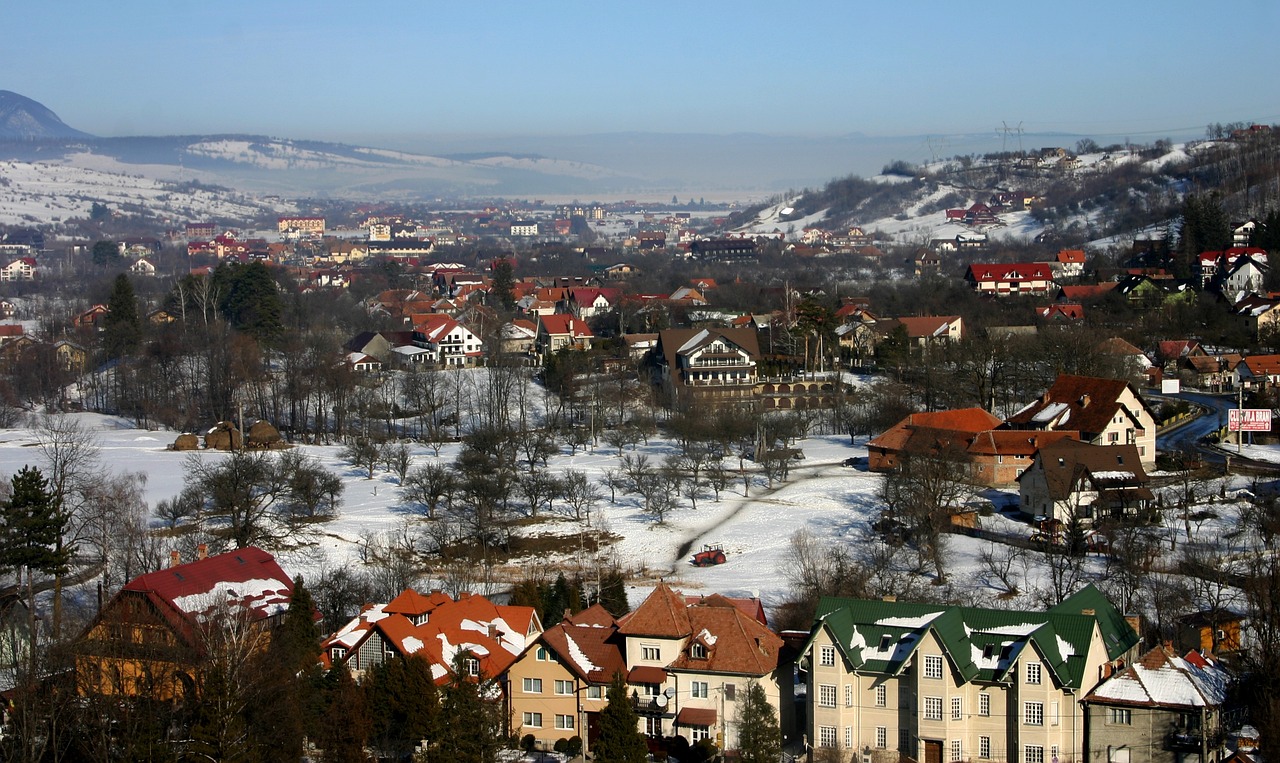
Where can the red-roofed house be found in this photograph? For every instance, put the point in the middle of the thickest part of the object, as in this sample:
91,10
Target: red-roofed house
1010,278
588,303
1061,311
449,342
1258,371
147,639
558,331
1069,263
1103,411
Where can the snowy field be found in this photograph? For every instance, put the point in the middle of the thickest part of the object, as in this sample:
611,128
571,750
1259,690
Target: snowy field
828,499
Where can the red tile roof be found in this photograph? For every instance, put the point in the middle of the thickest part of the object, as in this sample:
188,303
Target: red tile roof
662,613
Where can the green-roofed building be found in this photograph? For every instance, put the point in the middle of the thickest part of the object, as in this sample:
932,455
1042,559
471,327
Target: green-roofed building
943,684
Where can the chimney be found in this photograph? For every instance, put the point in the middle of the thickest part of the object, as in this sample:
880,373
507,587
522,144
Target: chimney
202,551
175,558
890,598
493,631
1135,622
1084,401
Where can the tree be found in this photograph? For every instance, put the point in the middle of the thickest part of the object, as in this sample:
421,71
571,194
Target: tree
122,326
403,706
364,453
921,495
32,527
619,740
106,253
430,486
250,300
345,727
759,737
475,722
502,290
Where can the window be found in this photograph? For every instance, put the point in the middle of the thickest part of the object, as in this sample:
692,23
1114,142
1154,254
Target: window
564,722
1033,672
984,747
957,708
1053,752
653,725
848,737
984,704
826,736
473,666
1033,714
1119,716
957,751
932,666
1053,713
826,695
650,653
701,690
594,692
882,737
1033,753
541,654
933,708
848,695
827,656
533,720
337,653
882,695
564,687
697,651
651,690
699,733
533,686
730,692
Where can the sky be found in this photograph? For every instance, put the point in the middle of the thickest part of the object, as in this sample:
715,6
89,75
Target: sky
374,73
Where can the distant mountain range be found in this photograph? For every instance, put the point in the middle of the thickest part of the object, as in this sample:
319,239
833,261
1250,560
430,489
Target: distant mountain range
413,168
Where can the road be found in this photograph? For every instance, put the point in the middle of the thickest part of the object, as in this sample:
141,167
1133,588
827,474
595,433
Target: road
1191,435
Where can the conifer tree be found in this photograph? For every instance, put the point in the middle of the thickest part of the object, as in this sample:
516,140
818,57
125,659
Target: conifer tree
619,740
404,706
345,728
122,325
32,527
474,732
759,736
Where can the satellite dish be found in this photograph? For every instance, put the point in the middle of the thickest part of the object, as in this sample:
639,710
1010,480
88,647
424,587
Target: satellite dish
660,700
669,691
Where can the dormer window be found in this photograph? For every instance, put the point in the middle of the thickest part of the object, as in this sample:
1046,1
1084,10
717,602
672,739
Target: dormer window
337,653
698,651
885,641
472,665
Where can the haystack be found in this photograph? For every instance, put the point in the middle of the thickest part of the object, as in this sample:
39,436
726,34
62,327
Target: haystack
186,441
263,435
224,436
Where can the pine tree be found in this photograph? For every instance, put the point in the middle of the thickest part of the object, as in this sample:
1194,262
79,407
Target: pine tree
345,728
619,740
503,286
250,300
613,593
122,326
759,737
404,706
474,732
281,715
32,528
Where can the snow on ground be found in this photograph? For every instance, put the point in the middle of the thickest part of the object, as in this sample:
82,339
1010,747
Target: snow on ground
831,501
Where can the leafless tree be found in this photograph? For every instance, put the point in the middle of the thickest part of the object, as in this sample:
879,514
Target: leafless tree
579,493
430,486
1004,564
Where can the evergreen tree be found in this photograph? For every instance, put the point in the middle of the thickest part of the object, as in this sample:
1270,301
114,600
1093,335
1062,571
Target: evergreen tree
404,707
613,593
474,722
345,728
619,740
250,300
32,527
285,711
105,253
122,325
759,737
503,288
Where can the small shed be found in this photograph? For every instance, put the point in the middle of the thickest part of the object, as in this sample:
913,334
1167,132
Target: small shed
223,436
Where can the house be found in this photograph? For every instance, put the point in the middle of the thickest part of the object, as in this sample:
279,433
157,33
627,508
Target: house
449,342
1061,311
363,364
587,303
304,226
524,228
518,337
488,636
91,318
10,332
1103,411
927,432
71,356
1215,373
926,330
1258,371
1246,274
1216,630
934,682
379,344
559,332
1260,312
926,261
1076,481
689,663
1085,292
1069,263
724,250
147,639
21,269
1161,709
143,268
1003,279
711,364
557,687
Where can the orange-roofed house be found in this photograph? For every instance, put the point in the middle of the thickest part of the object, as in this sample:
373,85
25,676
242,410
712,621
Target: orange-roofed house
925,330
449,342
927,432
1257,371
1069,263
689,665
560,332
489,637
1004,279
557,687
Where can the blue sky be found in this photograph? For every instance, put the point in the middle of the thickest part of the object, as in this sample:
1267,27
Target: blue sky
355,71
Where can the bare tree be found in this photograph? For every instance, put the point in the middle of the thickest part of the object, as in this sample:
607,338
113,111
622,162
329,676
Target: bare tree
1006,565
921,494
430,486
579,493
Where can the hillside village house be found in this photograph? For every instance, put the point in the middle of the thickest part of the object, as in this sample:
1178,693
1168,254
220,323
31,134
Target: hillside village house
936,683
1103,411
448,342
1071,480
712,364
21,269
147,639
559,332
1010,278
1257,371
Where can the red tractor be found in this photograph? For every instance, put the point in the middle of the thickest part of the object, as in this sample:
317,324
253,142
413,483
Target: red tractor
708,557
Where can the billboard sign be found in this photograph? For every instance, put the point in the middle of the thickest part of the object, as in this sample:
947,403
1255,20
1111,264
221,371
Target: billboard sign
1249,420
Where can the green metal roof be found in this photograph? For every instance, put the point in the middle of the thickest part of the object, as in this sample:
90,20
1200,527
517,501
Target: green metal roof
982,644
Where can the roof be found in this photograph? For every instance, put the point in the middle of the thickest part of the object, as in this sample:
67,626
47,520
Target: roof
662,613
1067,464
927,326
1162,679
560,324
732,641
960,421
696,716
247,580
878,636
1012,442
1086,404
593,653
1009,271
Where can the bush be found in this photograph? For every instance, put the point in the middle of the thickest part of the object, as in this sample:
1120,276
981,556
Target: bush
527,742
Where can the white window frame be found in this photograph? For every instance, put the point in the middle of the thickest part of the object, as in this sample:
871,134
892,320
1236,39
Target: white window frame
826,695
565,721
531,685
595,692
957,751
1033,753
1033,715
984,747
932,710
532,720
848,695
699,689
932,666
882,737
882,696
1034,673
650,652
984,704
957,708
827,656
827,736
563,688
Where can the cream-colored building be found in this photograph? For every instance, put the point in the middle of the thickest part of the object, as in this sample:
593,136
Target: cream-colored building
1103,411
940,683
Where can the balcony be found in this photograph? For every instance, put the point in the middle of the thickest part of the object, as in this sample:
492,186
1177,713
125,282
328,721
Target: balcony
1186,740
